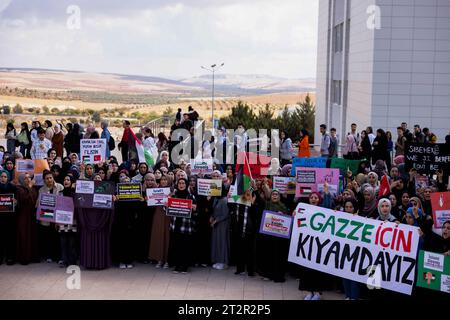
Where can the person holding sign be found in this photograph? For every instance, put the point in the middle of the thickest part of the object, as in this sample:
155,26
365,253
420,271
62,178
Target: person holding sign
181,250
7,223
275,250
27,228
48,237
313,281
160,234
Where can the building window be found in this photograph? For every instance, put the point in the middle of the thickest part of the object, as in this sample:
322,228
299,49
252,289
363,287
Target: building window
338,37
337,84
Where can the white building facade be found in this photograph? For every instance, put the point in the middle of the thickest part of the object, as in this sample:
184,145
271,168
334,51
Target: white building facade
383,62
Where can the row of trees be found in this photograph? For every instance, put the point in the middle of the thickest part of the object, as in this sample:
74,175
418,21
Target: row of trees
291,121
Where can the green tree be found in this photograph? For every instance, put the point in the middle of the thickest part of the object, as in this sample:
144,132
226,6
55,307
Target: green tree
30,110
6,110
241,113
18,108
96,117
45,109
54,110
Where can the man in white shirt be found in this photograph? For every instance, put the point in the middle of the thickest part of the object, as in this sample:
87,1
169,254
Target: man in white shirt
41,146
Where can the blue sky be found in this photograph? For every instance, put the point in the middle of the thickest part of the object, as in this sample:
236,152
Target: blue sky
162,38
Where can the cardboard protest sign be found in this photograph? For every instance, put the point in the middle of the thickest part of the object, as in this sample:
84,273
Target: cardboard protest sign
157,196
427,158
93,150
276,224
129,191
201,166
286,185
313,179
209,187
55,208
7,202
94,194
440,205
433,271
343,165
373,252
319,162
181,208
33,167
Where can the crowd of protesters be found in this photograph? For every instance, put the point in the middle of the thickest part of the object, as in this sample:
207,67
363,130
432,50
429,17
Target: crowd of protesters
218,234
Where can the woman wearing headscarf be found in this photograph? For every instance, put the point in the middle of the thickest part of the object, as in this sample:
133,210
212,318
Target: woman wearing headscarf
95,229
7,223
372,179
312,281
351,288
68,233
220,224
160,233
10,168
73,141
273,265
181,247
244,229
27,249
368,208
107,136
58,141
384,211
48,237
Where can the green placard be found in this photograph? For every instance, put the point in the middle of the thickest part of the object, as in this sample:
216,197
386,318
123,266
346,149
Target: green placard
433,271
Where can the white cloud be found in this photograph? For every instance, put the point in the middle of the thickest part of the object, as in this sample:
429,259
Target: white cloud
267,37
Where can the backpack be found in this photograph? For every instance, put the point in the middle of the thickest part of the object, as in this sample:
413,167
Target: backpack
111,143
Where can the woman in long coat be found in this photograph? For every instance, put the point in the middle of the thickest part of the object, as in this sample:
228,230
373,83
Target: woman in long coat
27,249
220,223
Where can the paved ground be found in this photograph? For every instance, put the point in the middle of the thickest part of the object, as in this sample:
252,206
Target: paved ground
48,281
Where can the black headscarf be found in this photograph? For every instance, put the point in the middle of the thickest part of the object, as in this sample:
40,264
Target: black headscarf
182,194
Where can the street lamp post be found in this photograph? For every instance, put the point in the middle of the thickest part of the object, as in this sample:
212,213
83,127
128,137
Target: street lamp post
213,69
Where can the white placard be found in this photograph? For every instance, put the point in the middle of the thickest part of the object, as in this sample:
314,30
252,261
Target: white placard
85,187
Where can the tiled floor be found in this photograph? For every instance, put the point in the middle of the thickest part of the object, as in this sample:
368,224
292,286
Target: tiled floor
48,281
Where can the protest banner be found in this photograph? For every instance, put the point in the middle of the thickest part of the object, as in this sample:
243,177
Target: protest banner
440,205
343,165
55,208
209,187
427,158
313,179
181,208
433,271
33,167
93,150
7,202
129,191
94,194
319,162
286,185
382,254
157,196
276,224
201,166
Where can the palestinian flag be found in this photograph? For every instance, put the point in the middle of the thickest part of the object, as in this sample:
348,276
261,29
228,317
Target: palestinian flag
244,174
143,155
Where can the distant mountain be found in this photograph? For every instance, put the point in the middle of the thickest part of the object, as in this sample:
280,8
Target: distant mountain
225,84
254,83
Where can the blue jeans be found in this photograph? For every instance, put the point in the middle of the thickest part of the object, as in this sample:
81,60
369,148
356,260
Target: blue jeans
351,289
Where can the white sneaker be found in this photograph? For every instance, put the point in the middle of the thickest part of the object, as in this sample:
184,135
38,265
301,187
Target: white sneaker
348,298
317,296
166,266
214,266
130,266
159,265
49,260
219,266
308,296
122,266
